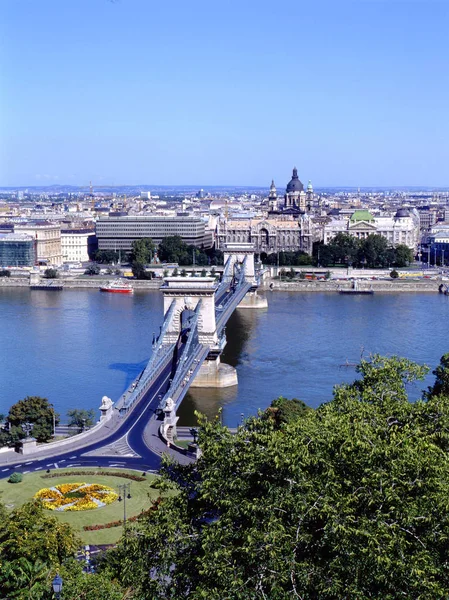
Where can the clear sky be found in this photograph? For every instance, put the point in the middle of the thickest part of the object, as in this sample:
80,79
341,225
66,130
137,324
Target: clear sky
226,92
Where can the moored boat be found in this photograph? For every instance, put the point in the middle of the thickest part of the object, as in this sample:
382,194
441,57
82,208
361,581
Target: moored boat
117,287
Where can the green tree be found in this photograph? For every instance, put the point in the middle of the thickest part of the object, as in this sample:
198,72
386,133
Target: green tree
344,249
140,272
172,248
441,385
394,274
142,251
81,418
284,411
347,501
5,273
37,411
92,270
373,250
107,257
51,274
403,256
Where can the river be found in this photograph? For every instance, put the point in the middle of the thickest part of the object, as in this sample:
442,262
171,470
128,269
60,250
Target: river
74,347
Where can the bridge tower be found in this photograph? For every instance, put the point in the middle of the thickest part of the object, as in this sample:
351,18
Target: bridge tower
187,292
243,253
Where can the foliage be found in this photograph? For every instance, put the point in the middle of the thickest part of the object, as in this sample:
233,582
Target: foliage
27,532
107,257
92,270
174,249
5,273
372,251
121,474
283,411
51,273
76,496
78,585
81,418
283,259
140,272
441,385
347,501
111,524
15,477
394,274
183,273
38,412
142,251
203,273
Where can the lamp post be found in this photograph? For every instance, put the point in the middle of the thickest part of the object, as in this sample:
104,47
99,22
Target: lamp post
125,493
57,586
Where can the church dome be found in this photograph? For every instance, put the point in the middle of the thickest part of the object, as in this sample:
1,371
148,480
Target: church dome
402,212
295,185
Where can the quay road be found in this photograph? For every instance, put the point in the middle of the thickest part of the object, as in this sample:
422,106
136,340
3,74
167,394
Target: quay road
132,431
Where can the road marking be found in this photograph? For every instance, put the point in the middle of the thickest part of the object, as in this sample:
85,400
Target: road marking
37,468
29,463
74,465
17,466
3,470
63,460
25,472
50,464
56,465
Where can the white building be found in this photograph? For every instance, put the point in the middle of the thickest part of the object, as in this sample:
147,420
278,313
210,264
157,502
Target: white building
402,228
75,244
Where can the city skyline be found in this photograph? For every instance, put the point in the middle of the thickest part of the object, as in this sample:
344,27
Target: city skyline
124,92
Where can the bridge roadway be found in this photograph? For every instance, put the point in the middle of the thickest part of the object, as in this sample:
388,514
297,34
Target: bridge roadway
131,431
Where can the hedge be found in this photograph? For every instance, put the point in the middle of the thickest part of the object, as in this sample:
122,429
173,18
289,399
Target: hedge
98,473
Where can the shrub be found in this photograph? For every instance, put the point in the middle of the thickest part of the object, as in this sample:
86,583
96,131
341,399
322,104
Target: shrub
51,274
129,519
5,273
98,473
394,274
15,478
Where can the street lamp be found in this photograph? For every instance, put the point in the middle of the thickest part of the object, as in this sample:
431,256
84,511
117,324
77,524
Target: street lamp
57,586
125,493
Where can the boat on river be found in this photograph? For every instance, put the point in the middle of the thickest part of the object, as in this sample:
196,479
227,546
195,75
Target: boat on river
117,287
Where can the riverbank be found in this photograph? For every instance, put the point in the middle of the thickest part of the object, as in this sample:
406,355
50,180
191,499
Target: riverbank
393,286
298,285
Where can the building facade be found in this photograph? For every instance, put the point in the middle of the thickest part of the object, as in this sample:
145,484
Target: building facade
47,237
118,233
76,243
271,234
402,228
17,250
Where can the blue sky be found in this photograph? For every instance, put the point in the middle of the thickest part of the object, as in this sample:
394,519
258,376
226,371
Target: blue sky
231,92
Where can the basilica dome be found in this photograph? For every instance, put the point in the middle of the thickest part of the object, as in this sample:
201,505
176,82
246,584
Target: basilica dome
401,213
294,185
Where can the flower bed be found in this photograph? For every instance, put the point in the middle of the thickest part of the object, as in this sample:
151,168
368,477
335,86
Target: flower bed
98,473
76,496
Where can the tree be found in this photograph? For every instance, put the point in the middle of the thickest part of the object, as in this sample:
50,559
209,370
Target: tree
51,274
347,501
394,274
38,412
183,273
142,251
107,257
81,418
5,273
172,248
373,250
344,248
92,270
140,272
403,256
284,411
441,385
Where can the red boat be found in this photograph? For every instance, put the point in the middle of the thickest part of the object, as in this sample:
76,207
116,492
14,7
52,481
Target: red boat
117,287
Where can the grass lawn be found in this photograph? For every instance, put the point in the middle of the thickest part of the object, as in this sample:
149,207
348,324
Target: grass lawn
15,494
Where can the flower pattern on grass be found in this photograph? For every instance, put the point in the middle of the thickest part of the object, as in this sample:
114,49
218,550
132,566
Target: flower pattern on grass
76,496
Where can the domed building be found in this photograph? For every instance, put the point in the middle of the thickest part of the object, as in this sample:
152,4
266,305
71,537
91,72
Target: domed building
295,196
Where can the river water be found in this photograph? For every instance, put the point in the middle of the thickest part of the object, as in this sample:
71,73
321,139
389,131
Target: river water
74,347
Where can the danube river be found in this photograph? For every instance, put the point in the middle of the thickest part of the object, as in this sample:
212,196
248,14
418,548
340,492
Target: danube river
74,347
